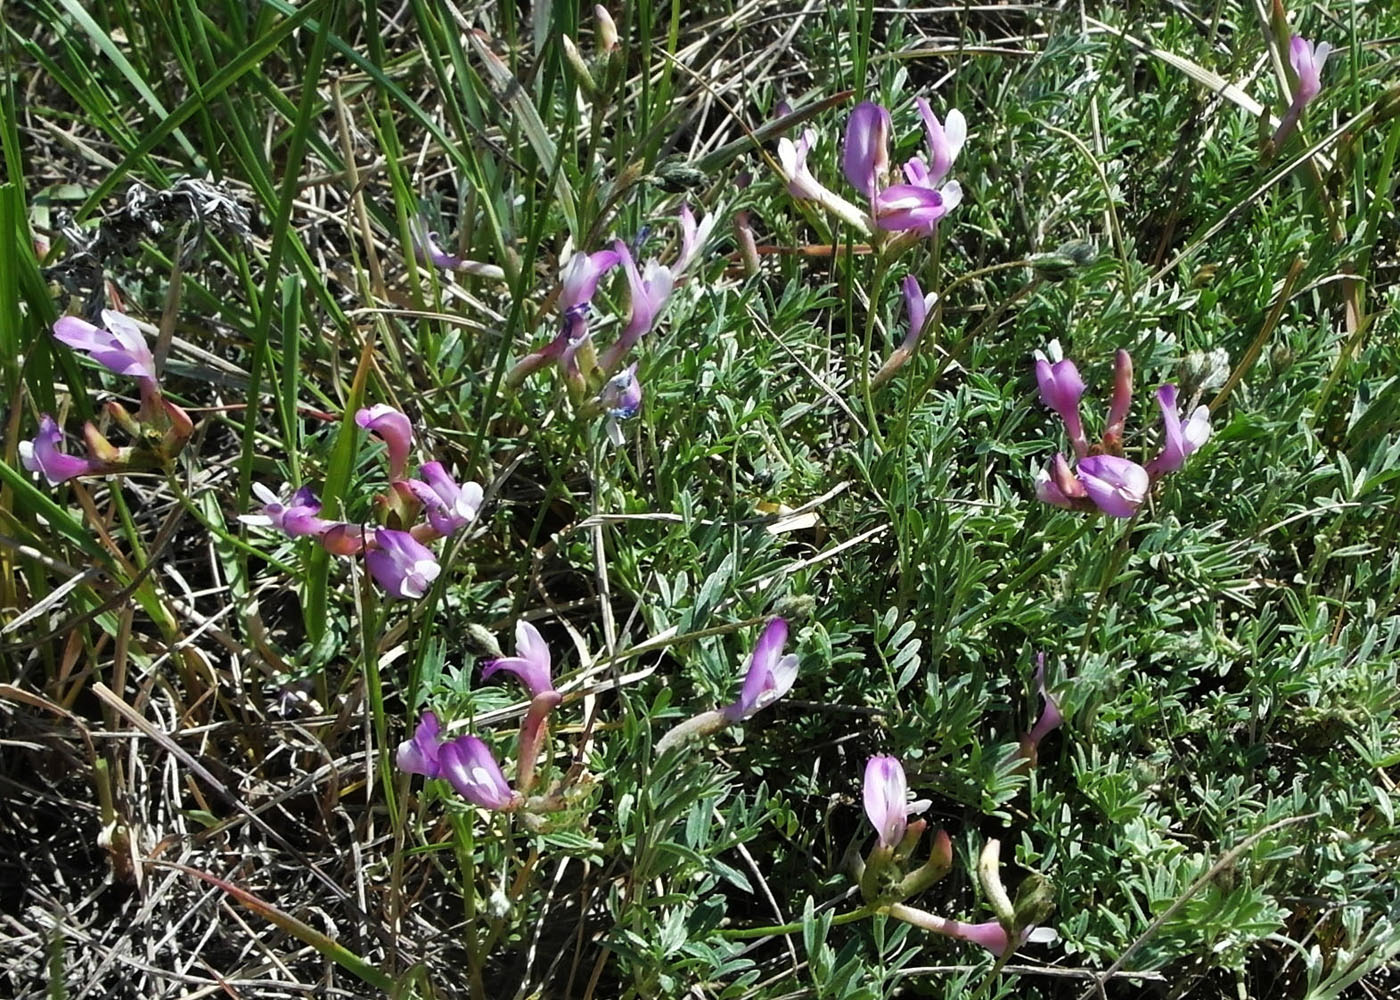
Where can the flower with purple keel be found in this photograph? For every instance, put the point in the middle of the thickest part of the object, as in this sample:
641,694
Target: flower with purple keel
121,348
621,400
394,429
531,663
886,796
649,291
919,203
770,674
1179,440
400,564
42,455
450,506
866,157
420,755
296,517
469,766
579,281
425,246
1118,486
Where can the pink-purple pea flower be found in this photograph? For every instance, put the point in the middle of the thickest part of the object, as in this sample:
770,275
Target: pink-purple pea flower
425,246
531,663
1102,478
120,347
43,455
394,429
649,289
1061,389
296,517
1307,62
450,506
401,565
579,281
866,156
770,674
420,755
886,796
1179,440
1116,485
694,236
469,766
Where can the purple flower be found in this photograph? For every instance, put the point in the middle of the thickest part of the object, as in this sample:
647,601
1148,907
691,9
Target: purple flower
649,291
420,755
121,348
579,280
394,429
42,455
945,140
425,246
914,206
1179,441
468,765
296,517
866,158
1307,63
401,564
1061,389
917,306
886,795
621,399
792,158
1117,485
770,675
450,507
1050,718
693,239
531,662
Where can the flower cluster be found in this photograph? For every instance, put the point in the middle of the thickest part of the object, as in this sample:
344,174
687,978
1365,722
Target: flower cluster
916,205
1102,478
886,879
159,428
469,766
397,556
649,290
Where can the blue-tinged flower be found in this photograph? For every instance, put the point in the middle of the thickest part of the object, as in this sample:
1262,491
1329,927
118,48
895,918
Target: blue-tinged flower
401,564
531,663
450,507
120,348
425,246
43,455
469,766
420,755
770,674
